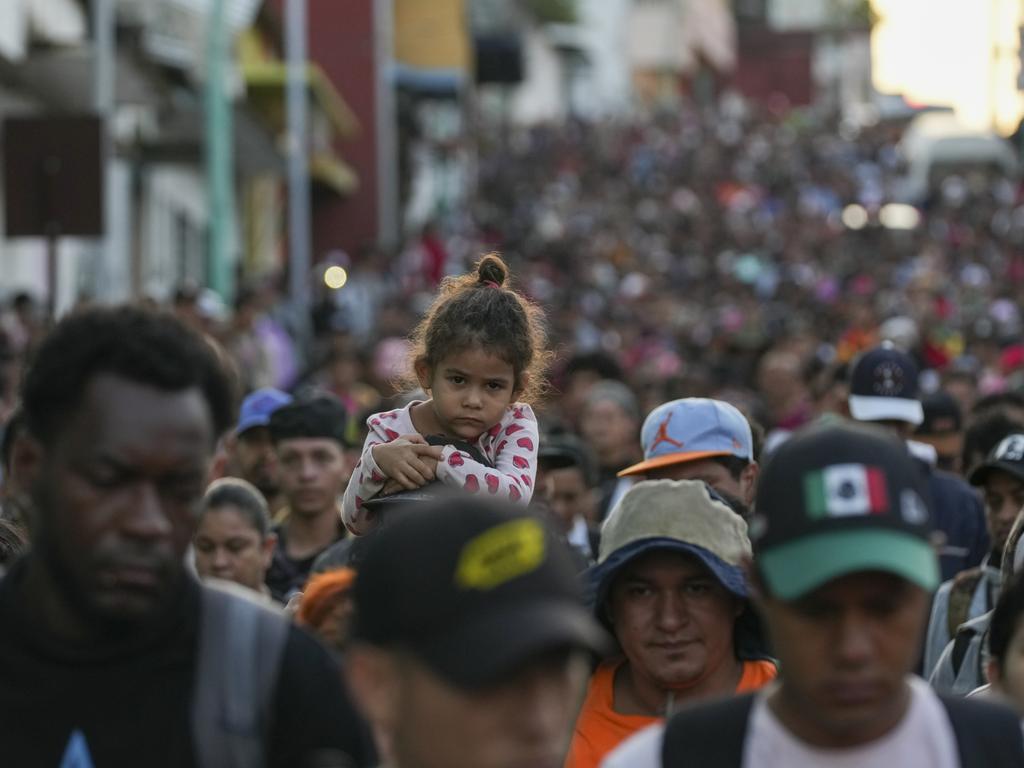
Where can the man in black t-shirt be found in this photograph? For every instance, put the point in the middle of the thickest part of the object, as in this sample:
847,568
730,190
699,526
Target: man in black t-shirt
309,438
111,653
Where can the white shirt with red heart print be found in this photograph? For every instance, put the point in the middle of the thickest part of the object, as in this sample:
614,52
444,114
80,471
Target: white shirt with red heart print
511,446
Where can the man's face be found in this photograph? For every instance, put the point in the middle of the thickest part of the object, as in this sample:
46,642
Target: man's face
313,474
1004,497
256,459
568,496
574,394
713,474
673,619
116,496
611,432
948,447
229,547
845,649
524,721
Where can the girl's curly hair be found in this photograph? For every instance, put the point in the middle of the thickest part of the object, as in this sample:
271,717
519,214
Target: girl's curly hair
478,309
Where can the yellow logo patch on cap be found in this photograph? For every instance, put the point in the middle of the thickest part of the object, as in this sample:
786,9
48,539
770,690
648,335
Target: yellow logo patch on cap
501,554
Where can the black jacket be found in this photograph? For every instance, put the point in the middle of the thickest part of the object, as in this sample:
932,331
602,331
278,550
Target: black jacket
127,702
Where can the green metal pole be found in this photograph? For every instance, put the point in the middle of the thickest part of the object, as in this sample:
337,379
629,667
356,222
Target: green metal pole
219,154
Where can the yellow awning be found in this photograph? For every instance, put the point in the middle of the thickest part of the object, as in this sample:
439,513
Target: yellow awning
266,78
266,82
333,172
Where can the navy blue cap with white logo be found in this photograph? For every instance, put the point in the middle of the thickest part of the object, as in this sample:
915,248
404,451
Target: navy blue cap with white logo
883,387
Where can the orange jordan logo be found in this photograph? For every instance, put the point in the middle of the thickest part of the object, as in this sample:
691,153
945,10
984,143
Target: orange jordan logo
661,436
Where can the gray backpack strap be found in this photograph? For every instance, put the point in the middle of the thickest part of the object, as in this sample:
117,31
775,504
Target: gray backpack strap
241,643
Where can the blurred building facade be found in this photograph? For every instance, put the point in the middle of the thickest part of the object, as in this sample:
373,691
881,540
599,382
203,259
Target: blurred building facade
399,94
38,41
159,211
810,51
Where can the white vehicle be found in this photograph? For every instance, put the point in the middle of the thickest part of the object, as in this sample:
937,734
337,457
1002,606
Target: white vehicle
936,145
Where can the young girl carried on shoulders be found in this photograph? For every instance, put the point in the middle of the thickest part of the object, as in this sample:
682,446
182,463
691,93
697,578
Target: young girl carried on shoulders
479,354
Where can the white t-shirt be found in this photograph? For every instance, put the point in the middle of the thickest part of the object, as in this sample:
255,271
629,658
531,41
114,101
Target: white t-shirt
923,739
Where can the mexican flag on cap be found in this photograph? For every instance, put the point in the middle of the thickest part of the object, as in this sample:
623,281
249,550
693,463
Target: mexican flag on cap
845,490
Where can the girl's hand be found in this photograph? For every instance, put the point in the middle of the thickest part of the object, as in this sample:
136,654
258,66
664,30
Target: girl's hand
409,460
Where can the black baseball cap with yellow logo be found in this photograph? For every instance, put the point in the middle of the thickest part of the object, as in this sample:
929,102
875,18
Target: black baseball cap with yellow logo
473,588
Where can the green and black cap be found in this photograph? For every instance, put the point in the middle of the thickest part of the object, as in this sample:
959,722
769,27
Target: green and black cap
839,499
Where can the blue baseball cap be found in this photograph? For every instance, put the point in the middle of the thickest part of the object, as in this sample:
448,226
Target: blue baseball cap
690,429
258,406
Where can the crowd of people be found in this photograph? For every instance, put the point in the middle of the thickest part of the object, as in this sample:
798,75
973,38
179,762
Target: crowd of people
696,472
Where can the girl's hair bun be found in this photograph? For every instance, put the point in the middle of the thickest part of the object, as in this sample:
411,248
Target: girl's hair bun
492,269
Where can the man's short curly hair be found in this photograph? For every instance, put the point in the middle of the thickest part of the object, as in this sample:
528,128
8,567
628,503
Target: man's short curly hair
143,346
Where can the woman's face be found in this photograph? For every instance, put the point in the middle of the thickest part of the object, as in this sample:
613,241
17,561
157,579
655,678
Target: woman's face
229,547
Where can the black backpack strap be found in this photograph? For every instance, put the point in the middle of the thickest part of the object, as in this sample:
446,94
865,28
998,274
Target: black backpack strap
988,735
711,736
961,643
594,537
241,643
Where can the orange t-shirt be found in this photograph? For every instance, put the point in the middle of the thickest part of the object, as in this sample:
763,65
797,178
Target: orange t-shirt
599,728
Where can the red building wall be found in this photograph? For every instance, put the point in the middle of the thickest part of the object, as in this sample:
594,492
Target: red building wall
341,40
772,63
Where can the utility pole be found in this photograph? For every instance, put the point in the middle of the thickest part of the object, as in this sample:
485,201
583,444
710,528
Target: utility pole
103,102
389,225
219,165
299,246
